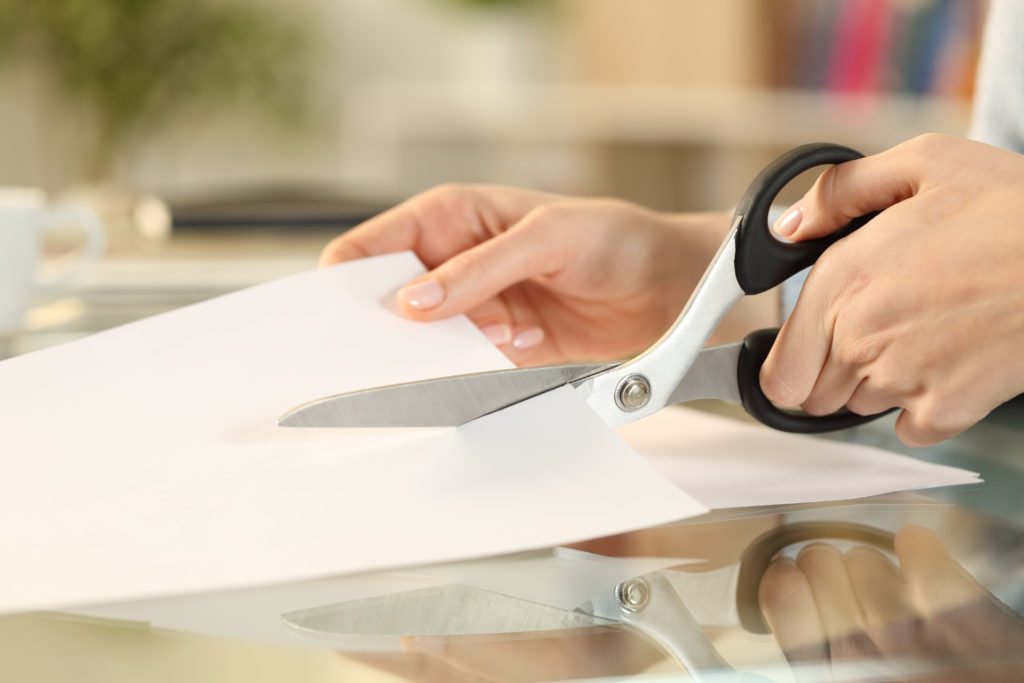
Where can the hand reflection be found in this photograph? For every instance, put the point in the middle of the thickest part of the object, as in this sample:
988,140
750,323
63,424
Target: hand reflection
562,655
828,607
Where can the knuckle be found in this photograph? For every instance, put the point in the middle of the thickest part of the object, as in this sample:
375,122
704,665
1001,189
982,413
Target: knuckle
838,277
448,192
845,265
899,386
935,420
544,230
913,437
547,215
828,195
855,351
931,141
468,267
828,182
928,147
451,202
447,199
828,270
928,422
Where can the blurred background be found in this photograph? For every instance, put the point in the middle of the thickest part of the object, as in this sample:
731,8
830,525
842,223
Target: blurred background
248,132
360,103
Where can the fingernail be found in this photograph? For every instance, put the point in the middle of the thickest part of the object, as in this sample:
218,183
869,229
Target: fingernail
789,221
422,294
527,338
498,333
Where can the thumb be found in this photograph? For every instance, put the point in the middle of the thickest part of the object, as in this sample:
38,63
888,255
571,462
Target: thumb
850,190
474,276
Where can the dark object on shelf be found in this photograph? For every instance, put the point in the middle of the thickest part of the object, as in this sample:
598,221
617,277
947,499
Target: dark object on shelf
273,209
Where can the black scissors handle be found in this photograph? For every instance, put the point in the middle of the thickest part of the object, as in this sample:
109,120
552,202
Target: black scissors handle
755,349
763,262
764,548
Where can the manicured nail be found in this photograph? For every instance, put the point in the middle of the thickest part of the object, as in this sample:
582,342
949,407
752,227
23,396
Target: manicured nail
527,338
422,294
498,333
789,222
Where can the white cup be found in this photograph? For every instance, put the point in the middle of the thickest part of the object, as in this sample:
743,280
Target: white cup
24,218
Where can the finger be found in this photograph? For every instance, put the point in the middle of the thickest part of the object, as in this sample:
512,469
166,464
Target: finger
916,427
390,232
526,342
851,189
868,399
520,339
791,369
937,583
832,390
787,602
495,320
942,413
471,277
809,340
825,570
435,224
879,588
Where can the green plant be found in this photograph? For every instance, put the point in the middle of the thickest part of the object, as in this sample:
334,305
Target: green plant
135,64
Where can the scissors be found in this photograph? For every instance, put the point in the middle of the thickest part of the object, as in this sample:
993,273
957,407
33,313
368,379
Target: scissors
676,369
669,608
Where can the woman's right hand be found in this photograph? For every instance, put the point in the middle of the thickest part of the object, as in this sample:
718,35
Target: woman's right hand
547,278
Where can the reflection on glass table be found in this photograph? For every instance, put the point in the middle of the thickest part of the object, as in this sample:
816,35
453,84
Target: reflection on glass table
862,591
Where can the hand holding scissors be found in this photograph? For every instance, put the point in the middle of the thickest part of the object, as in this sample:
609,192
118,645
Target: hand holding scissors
675,369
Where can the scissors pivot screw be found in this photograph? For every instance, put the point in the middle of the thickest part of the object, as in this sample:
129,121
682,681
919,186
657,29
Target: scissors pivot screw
633,393
633,595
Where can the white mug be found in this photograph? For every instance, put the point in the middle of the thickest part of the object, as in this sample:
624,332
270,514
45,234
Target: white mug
24,218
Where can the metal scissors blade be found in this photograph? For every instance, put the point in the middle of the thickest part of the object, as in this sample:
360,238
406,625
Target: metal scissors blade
441,402
648,605
449,610
452,401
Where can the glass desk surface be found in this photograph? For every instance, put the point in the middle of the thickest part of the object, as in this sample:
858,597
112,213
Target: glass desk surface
929,588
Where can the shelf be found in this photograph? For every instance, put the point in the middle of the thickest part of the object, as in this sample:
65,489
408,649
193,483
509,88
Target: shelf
642,115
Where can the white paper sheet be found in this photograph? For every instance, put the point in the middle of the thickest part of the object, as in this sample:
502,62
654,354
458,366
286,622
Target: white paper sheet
146,461
724,463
